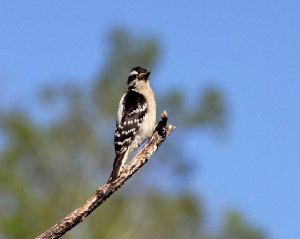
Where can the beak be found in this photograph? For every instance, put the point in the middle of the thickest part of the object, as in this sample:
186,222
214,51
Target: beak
146,76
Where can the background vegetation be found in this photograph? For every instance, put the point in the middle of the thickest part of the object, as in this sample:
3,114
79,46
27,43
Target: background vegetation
47,170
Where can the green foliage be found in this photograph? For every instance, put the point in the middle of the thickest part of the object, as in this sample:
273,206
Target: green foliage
235,227
47,171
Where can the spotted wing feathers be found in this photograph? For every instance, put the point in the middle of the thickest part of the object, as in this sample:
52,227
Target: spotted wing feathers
134,109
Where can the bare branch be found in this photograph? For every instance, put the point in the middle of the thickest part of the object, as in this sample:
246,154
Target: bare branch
161,132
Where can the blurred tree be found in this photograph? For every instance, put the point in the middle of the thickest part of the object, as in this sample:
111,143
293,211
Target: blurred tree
235,227
46,171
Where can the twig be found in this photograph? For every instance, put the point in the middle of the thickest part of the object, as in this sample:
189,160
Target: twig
161,132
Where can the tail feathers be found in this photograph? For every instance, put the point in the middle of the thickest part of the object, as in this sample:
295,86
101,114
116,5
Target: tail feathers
119,161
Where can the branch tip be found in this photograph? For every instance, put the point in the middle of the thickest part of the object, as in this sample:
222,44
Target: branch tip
164,115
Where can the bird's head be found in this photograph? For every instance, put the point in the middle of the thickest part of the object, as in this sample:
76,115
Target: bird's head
138,76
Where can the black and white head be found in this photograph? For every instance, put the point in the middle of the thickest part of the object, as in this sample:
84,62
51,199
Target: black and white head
138,77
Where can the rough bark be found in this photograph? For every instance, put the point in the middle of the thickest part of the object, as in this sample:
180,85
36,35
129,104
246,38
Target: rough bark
162,131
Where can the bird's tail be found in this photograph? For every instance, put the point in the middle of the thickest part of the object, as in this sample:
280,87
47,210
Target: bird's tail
119,161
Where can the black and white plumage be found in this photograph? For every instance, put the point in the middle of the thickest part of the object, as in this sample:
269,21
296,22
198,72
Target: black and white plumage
136,117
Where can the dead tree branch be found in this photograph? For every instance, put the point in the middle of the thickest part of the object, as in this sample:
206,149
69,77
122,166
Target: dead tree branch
162,131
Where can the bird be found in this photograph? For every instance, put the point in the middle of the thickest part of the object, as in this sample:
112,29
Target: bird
136,118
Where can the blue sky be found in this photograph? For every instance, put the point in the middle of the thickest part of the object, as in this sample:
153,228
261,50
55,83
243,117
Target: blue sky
250,49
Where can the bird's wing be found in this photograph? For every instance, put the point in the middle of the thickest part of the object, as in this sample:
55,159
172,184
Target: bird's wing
131,113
